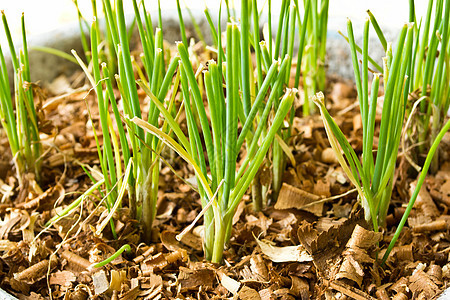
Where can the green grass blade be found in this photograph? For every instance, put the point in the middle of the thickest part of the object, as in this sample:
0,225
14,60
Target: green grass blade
378,30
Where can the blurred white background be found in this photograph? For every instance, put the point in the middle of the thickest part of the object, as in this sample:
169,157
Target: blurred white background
42,16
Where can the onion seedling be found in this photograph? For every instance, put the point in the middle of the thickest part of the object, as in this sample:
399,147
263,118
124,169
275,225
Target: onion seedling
431,72
19,118
140,151
374,178
314,72
216,170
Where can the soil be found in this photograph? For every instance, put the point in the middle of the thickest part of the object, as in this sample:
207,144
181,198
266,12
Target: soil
312,243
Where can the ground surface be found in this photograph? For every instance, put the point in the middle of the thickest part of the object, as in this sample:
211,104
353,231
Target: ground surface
313,243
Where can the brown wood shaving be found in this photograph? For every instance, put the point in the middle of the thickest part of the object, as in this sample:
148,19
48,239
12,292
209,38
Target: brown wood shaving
349,290
363,238
259,268
421,284
299,288
247,293
36,271
352,270
63,278
193,279
76,262
292,197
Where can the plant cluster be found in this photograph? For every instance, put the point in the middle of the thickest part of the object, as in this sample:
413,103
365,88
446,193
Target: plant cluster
374,177
236,109
18,114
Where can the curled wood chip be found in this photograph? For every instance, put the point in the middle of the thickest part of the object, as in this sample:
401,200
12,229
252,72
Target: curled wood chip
148,251
7,245
402,253
284,254
266,294
436,225
36,271
435,272
382,294
425,205
363,238
239,210
326,247
400,286
46,200
292,197
421,284
247,293
322,188
179,255
168,239
161,261
76,262
352,270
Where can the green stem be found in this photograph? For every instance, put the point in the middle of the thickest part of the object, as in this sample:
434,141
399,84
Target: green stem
125,247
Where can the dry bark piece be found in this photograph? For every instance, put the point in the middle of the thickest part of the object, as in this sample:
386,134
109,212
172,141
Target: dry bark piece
62,278
299,288
193,279
329,157
229,283
292,197
259,268
100,282
284,254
